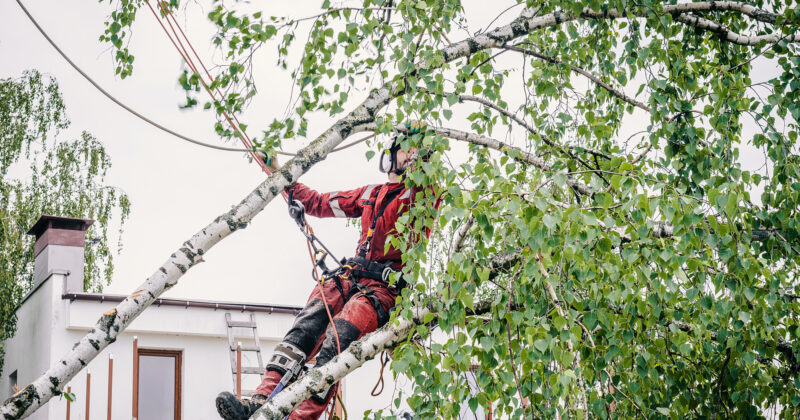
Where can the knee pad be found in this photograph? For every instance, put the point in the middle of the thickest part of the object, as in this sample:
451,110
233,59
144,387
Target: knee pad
287,358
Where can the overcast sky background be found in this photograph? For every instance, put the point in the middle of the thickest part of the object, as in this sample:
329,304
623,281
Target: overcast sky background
177,188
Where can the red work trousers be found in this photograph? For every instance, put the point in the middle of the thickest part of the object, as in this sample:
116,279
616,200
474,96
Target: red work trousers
354,314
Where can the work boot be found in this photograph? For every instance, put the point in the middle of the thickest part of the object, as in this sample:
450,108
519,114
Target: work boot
231,408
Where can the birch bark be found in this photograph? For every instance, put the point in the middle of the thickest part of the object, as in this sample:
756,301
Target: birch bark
359,352
117,319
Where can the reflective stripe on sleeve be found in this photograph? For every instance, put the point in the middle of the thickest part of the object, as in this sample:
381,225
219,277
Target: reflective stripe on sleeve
337,211
405,195
368,191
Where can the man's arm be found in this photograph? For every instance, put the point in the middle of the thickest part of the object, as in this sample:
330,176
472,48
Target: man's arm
332,204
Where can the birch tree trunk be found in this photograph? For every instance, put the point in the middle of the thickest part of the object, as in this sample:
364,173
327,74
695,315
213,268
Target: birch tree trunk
117,319
113,322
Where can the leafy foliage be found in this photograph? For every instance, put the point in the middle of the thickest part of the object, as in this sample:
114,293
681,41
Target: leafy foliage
63,177
648,176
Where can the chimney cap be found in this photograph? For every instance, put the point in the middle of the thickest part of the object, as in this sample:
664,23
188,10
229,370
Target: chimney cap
68,223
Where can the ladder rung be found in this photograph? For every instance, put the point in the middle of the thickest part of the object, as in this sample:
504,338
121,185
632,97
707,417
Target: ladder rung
241,324
247,347
247,370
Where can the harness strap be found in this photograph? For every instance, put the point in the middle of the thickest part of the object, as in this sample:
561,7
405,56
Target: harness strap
338,283
365,246
368,293
364,268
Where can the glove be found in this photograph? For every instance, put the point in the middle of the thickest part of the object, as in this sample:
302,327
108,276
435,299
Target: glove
416,126
296,211
262,154
269,160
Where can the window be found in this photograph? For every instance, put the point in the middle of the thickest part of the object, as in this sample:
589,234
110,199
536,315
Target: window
159,396
12,383
466,413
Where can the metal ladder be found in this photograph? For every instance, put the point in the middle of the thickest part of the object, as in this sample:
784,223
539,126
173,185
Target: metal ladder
255,347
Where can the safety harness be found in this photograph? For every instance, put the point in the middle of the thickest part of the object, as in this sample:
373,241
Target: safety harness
359,267
364,247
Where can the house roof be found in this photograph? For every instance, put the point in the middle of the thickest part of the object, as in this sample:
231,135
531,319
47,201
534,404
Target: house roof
189,303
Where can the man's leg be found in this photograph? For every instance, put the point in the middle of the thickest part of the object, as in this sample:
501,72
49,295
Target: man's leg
307,331
359,316
300,344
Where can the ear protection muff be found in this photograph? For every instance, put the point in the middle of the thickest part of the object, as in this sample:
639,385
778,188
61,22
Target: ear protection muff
389,157
388,161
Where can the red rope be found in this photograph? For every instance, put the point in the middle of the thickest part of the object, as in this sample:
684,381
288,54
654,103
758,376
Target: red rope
246,141
321,286
169,14
185,55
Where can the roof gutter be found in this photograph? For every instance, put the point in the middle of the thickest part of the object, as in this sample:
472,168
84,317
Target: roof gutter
226,306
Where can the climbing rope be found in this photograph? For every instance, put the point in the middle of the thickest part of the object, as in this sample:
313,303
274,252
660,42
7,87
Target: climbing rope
384,361
332,412
234,122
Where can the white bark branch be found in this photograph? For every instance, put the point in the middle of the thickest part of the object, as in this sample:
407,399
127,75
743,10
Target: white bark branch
526,24
728,35
552,143
315,380
113,322
615,92
504,148
117,319
510,151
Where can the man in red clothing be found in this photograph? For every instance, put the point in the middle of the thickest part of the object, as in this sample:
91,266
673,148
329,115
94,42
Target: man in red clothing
359,299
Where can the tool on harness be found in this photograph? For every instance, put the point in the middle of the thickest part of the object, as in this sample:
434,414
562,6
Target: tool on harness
364,268
364,247
288,359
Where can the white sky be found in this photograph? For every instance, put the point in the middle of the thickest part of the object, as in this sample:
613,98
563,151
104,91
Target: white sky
176,188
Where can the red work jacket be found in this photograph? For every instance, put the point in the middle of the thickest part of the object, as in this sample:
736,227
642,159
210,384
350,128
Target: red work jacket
364,202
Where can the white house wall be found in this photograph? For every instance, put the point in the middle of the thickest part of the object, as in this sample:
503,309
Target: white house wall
49,326
201,334
28,352
201,322
204,373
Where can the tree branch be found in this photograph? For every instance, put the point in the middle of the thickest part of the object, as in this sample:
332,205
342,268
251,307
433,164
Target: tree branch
616,92
510,151
113,322
524,124
680,13
728,35
317,379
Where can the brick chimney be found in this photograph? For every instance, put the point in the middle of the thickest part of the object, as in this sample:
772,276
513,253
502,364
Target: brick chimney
59,247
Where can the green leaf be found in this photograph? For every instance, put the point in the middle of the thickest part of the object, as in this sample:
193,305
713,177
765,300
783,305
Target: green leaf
559,322
540,345
550,221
